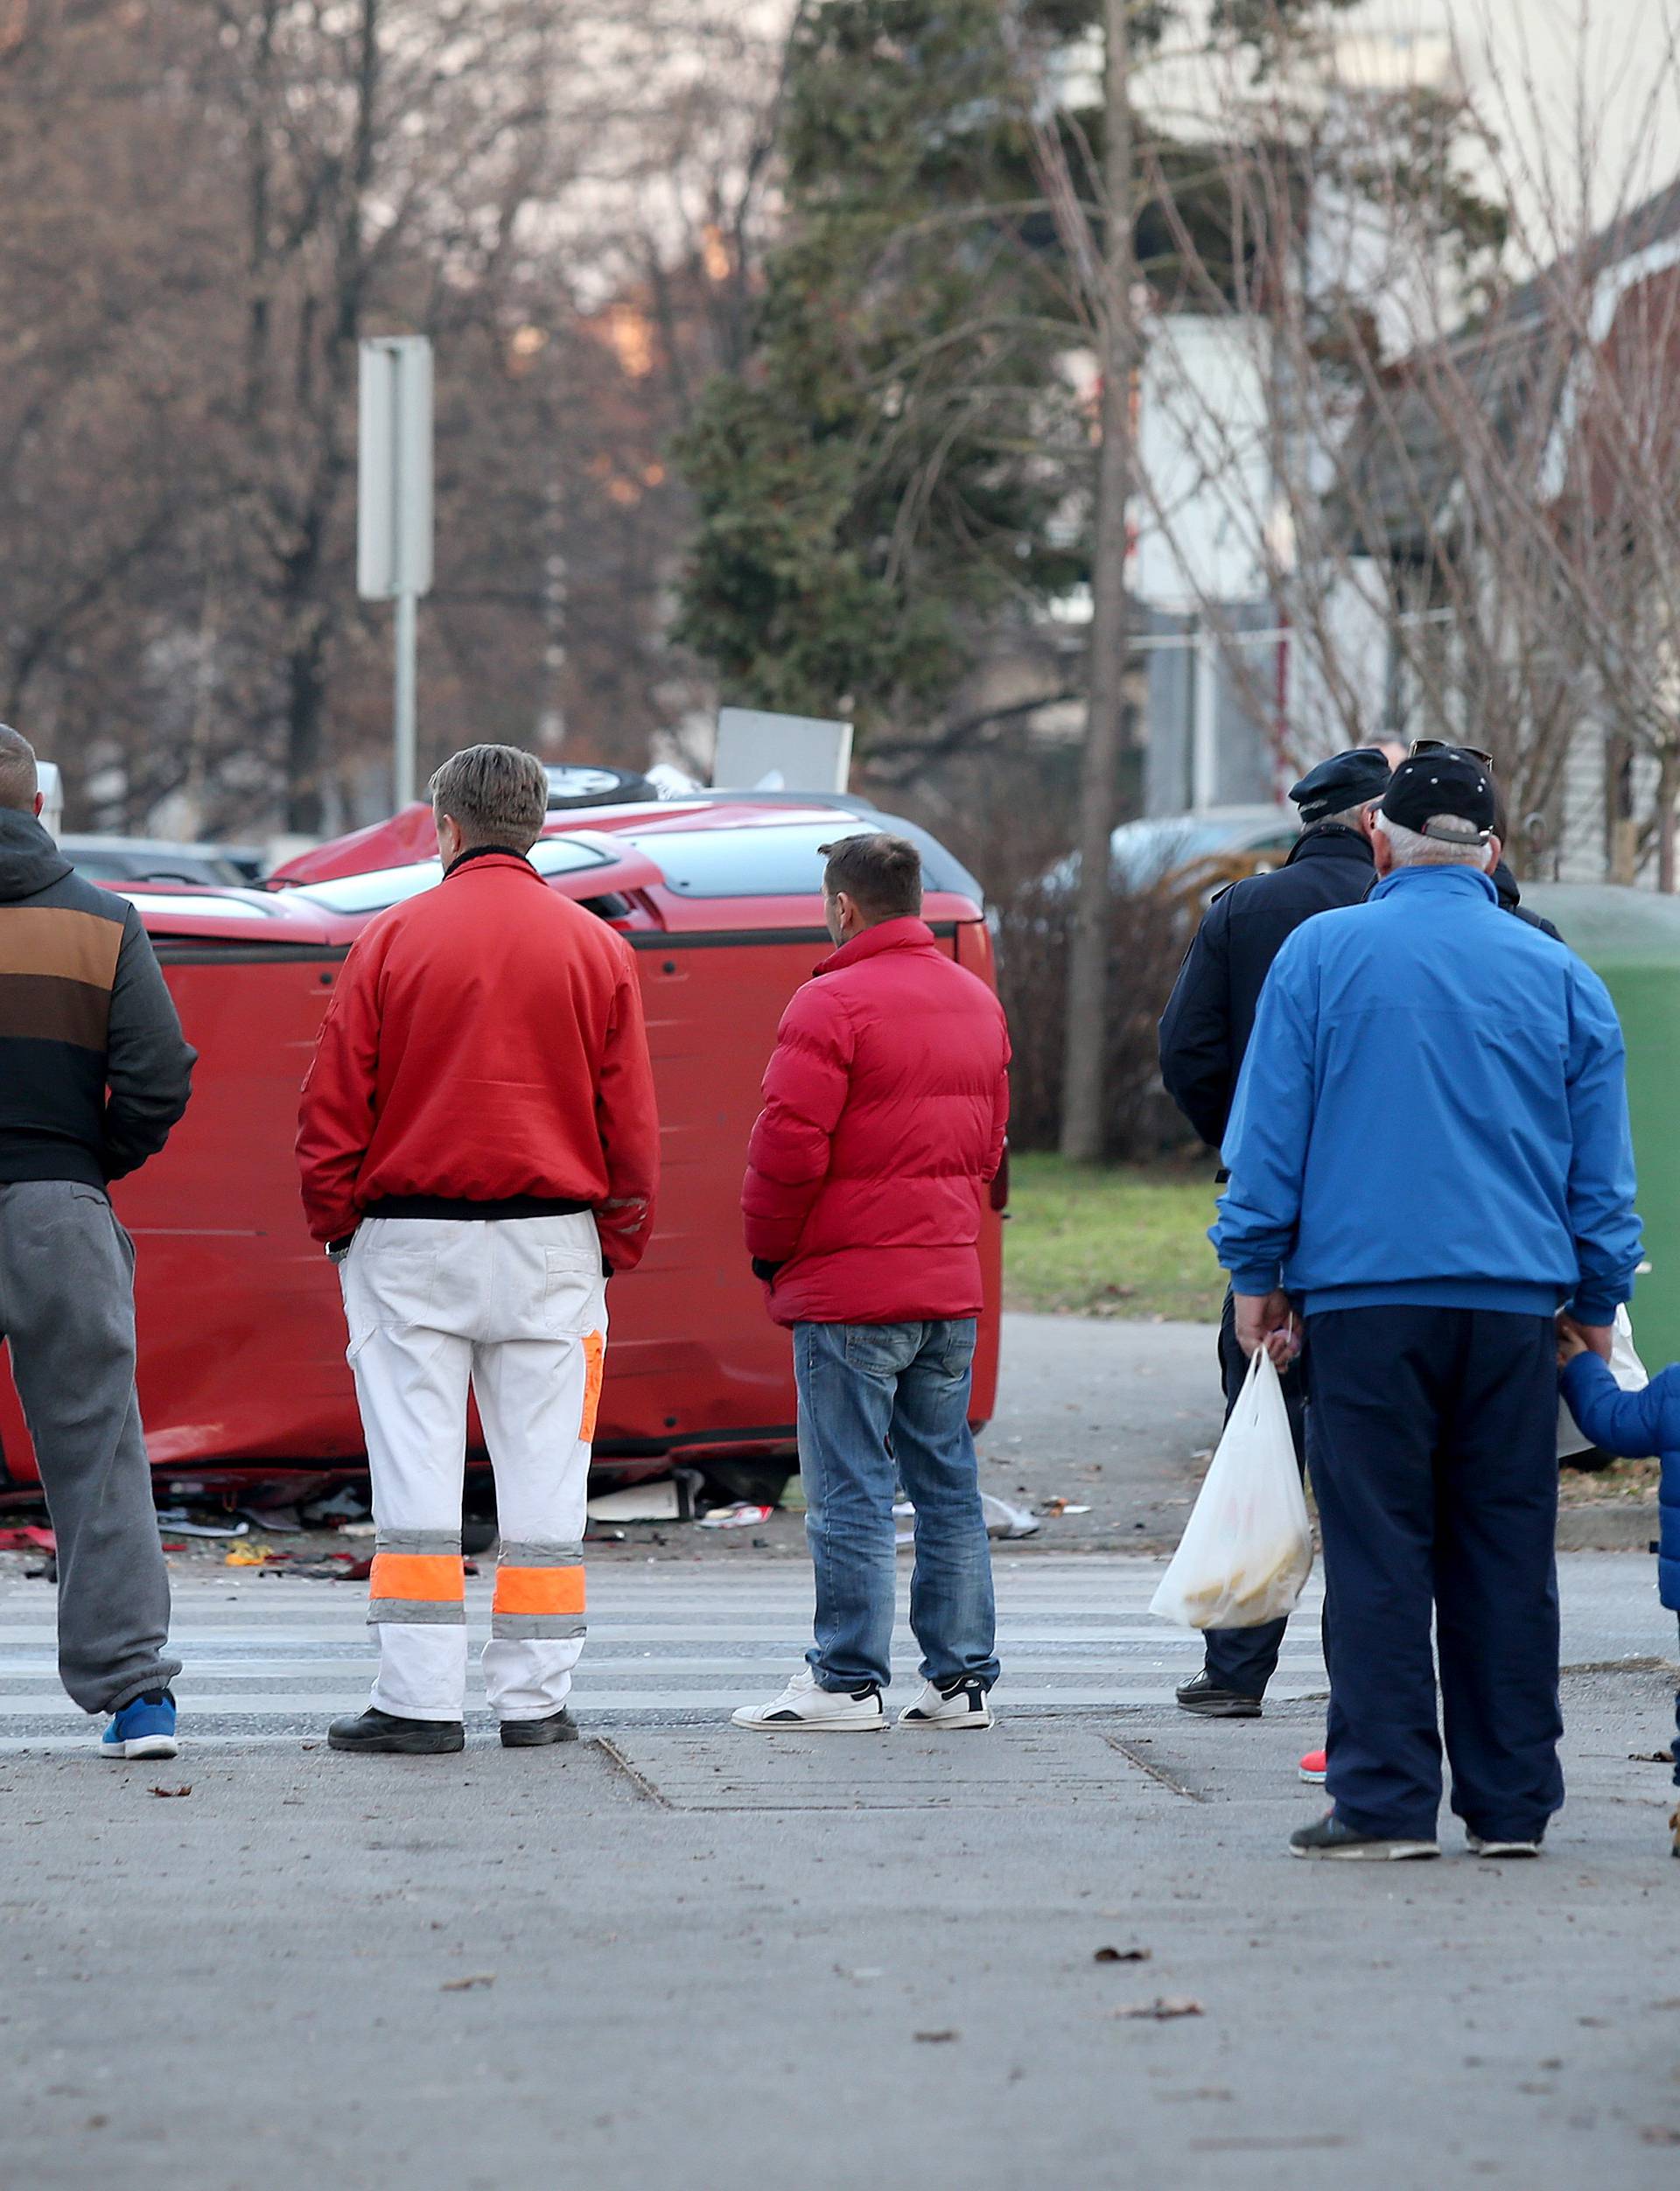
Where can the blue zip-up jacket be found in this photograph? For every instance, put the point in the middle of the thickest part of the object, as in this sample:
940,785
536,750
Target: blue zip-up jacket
1635,1424
1433,1111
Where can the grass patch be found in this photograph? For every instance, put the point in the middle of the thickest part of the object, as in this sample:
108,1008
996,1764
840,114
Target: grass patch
1122,1240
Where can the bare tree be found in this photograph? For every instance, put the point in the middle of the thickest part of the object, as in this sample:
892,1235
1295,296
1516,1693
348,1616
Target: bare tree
1103,253
1483,467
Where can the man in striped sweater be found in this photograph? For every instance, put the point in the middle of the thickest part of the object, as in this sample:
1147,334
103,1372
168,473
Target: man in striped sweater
94,1073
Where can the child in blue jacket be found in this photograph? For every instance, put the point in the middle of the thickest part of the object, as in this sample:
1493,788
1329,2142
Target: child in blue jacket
1634,1424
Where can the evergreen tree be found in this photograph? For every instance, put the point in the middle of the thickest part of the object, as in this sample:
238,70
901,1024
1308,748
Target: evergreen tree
882,480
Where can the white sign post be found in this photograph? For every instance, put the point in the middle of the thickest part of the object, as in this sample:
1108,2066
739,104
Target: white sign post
393,512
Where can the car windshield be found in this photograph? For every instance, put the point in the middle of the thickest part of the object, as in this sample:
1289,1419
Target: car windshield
392,886
780,860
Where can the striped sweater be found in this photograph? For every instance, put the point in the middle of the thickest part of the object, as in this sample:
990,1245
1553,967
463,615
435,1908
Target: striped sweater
94,1070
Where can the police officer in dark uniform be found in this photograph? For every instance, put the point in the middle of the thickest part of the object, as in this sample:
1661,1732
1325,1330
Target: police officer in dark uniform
1205,1031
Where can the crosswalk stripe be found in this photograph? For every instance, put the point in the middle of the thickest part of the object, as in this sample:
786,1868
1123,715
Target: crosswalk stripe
265,1655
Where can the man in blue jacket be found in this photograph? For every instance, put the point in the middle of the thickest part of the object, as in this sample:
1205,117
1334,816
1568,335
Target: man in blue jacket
1429,1156
1205,1031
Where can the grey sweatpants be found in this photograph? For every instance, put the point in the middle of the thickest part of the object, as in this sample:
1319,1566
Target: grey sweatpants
67,1306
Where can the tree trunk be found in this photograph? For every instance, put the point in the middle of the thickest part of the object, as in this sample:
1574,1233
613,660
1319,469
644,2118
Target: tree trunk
1085,1044
305,704
1667,790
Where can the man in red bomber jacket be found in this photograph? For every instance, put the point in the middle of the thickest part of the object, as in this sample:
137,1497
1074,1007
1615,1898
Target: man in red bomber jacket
478,1145
885,1106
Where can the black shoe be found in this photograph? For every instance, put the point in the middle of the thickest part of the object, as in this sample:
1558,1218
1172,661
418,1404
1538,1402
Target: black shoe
1204,1696
536,1735
1329,1836
383,1732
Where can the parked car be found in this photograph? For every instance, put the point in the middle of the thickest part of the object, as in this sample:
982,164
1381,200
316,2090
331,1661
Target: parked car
242,1375
1242,840
147,859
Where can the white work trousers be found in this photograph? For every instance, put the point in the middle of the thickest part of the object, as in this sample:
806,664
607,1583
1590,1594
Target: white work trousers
516,1307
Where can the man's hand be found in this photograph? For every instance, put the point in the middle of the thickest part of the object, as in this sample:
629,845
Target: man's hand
1583,1339
1267,1320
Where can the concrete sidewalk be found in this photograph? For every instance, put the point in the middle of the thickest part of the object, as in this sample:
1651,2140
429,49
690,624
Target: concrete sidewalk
683,1955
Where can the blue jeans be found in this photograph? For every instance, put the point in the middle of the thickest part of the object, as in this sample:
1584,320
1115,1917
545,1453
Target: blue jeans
871,1396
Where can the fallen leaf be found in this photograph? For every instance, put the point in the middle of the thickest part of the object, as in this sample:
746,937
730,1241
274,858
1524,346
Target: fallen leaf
466,1985
1162,2009
935,2038
1123,1954
186,1789
1650,1757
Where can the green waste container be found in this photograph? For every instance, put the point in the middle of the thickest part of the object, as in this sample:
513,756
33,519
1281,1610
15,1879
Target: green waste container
1632,939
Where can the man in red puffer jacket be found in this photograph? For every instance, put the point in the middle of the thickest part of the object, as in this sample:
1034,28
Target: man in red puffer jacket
885,1106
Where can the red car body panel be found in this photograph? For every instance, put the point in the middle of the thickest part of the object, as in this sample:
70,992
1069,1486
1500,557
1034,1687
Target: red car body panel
242,1373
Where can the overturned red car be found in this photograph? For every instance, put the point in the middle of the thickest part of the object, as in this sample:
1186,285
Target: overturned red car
242,1374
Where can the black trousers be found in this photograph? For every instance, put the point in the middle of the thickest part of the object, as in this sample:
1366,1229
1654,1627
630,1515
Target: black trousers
1246,1659
1432,1437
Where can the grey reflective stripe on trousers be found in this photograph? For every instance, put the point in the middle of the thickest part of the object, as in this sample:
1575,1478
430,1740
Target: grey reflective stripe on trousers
539,1551
545,1627
426,1544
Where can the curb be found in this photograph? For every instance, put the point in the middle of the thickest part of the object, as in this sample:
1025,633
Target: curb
1607,1525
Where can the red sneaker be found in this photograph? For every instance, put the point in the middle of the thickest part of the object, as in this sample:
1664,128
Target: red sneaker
1312,1768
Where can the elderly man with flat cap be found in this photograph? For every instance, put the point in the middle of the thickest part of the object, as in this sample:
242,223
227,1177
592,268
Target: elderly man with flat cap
1429,1157
1204,1034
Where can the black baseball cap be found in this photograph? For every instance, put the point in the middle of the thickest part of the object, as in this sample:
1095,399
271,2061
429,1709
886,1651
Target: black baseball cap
1447,795
1353,779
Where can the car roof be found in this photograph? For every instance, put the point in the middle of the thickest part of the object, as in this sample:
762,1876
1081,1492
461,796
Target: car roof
658,831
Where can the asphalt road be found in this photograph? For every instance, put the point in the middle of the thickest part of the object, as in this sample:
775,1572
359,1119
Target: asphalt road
678,1954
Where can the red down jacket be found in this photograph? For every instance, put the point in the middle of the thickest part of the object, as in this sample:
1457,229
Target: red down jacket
885,1105
485,1043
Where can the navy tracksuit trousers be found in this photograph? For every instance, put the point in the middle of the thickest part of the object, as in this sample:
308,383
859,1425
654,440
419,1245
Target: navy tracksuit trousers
1246,1659
1433,1443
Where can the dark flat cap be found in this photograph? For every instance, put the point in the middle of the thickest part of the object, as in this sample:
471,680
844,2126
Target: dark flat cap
1445,793
1353,779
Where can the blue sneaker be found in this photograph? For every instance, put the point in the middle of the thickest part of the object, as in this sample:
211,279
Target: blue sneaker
144,1728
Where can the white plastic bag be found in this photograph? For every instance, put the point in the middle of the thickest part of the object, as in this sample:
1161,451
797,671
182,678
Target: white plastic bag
1247,1550
1627,1370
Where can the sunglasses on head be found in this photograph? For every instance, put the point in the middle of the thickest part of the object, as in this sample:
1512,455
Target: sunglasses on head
1449,745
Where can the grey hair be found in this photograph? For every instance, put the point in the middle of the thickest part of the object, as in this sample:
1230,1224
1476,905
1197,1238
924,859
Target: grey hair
1412,849
1349,818
498,794
19,779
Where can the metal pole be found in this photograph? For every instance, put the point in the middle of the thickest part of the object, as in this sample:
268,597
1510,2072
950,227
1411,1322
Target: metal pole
408,620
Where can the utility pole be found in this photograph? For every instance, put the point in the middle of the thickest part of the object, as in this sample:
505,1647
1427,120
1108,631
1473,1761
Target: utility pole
1084,1054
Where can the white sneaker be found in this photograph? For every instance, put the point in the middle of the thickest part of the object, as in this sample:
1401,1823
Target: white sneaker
1479,1847
804,1708
963,1704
